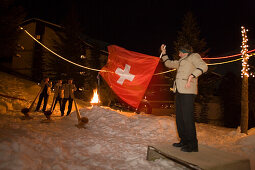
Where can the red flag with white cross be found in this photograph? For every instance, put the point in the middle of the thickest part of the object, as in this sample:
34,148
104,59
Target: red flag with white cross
128,73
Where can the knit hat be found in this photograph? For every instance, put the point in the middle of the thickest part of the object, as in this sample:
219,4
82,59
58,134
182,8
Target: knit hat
186,48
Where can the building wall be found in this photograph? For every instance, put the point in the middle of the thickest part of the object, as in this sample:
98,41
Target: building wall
103,59
23,63
49,40
34,57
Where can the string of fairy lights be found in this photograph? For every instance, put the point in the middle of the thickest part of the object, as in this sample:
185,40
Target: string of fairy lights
244,56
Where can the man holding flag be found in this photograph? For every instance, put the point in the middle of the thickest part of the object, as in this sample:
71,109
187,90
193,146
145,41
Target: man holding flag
129,73
189,67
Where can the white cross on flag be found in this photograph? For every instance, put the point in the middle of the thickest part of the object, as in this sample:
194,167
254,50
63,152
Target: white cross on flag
128,73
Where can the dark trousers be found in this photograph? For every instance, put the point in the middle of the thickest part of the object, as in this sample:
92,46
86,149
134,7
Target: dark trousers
70,104
44,97
185,118
58,99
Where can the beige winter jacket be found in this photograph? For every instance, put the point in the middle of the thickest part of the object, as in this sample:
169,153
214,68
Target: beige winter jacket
58,90
186,66
69,90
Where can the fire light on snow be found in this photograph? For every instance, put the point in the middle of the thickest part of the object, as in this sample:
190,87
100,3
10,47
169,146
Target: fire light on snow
95,98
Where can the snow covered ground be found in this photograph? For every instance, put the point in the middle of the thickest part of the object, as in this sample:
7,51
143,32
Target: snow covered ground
111,140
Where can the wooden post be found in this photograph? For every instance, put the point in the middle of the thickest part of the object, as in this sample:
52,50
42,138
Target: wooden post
245,75
244,106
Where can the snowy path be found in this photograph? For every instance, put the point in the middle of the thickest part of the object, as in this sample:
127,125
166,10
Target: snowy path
111,140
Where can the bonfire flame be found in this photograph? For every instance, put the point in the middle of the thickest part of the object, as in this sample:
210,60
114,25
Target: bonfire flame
95,98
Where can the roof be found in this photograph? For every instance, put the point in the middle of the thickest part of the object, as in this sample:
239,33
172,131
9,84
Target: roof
40,20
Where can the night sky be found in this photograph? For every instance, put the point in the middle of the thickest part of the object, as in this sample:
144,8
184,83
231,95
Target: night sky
143,25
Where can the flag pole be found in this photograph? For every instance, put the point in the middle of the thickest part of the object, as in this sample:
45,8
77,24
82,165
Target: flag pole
162,52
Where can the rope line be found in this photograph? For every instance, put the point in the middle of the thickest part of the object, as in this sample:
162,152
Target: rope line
58,54
88,68
164,72
207,64
216,58
225,62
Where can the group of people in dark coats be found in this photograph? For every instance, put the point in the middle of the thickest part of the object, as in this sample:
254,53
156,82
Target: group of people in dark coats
62,94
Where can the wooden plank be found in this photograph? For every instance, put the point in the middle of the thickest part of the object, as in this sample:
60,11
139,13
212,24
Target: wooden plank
207,158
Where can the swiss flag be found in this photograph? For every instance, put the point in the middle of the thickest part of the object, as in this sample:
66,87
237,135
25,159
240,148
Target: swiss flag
128,73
